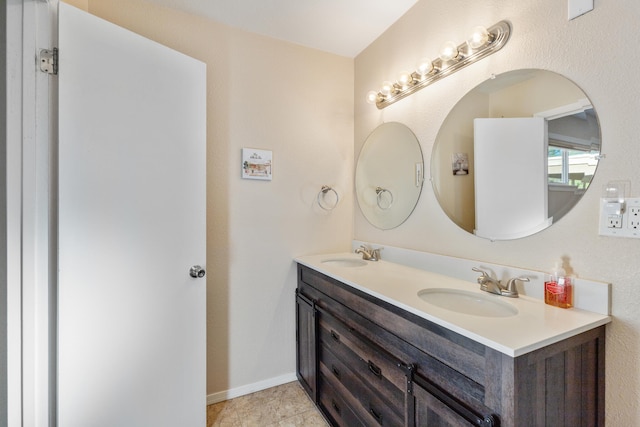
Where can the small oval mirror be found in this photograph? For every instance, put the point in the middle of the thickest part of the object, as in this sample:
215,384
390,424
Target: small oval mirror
389,175
515,154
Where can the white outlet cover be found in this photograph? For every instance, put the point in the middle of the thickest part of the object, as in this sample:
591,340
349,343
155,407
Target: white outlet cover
628,219
579,7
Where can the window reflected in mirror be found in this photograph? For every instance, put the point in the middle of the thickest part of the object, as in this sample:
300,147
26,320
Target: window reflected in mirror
507,194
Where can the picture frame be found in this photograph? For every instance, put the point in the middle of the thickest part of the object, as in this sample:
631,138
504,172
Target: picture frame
257,164
460,164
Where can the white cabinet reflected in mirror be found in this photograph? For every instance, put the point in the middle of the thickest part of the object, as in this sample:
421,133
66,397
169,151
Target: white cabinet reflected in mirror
389,175
531,140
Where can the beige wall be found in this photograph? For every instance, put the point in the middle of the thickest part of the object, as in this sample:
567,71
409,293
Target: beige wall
267,94
593,52
80,4
297,102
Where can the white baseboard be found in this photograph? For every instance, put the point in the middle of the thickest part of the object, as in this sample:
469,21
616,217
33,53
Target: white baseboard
250,388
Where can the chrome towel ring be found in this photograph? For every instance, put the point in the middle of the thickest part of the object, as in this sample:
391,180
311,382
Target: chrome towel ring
322,195
384,198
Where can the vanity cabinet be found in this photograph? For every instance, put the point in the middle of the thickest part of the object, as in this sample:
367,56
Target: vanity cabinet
306,359
366,362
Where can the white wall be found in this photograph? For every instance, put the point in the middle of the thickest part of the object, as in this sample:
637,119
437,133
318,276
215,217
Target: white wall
266,94
593,52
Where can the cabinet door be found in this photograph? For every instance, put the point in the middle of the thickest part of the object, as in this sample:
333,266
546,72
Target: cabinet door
431,411
435,407
306,344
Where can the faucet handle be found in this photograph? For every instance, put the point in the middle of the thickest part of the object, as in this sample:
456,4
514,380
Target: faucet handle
481,271
511,290
375,253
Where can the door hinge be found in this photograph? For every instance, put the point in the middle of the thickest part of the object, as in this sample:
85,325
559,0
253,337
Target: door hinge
49,61
409,371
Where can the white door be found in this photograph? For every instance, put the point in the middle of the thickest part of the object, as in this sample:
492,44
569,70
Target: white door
510,177
131,329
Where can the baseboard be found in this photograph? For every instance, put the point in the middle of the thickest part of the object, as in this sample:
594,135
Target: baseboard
250,388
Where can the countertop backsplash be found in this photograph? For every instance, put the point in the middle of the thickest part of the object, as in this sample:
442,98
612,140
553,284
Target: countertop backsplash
588,295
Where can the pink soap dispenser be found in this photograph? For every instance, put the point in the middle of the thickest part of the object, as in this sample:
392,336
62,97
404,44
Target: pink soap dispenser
558,289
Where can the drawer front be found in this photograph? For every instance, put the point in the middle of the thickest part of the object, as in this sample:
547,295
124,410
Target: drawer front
385,408
335,408
371,362
372,376
360,399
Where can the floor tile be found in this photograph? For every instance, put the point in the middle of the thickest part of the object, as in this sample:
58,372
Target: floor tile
283,406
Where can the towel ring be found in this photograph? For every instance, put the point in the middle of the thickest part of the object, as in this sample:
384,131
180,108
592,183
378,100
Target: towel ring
380,196
321,195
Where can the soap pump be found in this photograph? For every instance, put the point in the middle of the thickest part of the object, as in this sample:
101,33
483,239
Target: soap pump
558,289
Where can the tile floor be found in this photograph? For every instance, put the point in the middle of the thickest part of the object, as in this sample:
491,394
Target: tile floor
283,406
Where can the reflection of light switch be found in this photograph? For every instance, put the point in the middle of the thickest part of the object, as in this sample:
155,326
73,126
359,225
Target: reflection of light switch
579,7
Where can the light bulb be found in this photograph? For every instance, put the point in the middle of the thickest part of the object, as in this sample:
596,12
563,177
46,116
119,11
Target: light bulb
404,79
372,97
386,89
448,51
425,66
479,37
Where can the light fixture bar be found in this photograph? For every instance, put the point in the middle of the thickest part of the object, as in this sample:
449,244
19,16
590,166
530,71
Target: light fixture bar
498,37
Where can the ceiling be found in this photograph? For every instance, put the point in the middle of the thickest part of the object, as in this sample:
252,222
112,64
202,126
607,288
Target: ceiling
343,27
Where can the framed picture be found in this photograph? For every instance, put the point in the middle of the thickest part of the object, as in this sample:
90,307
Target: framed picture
460,164
256,164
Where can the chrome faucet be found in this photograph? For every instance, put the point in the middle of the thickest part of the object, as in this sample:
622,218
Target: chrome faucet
488,283
369,254
494,286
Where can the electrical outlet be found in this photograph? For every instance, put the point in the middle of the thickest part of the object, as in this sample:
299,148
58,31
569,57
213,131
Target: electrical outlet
614,221
620,219
633,217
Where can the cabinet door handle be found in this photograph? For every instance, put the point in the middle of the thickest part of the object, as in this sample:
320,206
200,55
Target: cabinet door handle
334,335
335,371
374,369
377,416
335,406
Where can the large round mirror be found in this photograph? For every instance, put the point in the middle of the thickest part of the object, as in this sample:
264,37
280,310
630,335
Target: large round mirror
389,175
515,154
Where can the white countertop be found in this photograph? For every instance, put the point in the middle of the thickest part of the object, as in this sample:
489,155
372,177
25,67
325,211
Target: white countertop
534,326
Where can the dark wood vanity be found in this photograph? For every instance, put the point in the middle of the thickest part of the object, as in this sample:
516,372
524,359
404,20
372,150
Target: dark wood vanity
365,362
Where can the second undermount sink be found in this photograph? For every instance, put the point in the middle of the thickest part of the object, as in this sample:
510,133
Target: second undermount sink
345,262
467,302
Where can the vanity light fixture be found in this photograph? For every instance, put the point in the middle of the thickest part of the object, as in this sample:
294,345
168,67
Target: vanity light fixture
449,51
480,43
425,66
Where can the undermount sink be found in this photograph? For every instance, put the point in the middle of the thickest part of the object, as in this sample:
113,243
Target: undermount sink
345,262
468,302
